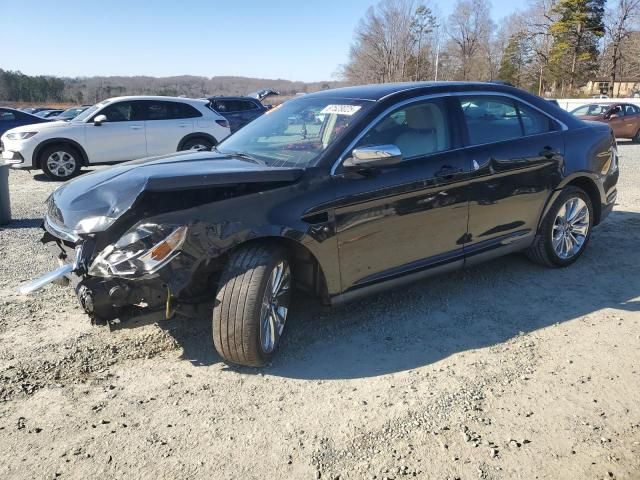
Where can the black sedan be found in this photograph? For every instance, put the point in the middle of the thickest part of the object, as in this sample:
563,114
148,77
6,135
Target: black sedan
391,183
12,118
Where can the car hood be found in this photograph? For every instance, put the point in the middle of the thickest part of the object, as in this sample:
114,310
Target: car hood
92,202
45,125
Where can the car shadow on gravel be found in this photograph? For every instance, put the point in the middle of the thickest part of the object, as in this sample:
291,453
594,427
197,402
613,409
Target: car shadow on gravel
433,319
18,223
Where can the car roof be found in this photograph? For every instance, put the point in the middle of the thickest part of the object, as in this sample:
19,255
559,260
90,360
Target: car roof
380,91
155,97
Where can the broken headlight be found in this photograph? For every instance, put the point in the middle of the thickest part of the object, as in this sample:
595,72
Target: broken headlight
141,251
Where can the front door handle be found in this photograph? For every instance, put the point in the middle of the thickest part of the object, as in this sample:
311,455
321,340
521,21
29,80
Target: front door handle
447,171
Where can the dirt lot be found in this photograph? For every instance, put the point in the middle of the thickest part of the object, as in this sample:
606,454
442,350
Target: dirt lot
504,371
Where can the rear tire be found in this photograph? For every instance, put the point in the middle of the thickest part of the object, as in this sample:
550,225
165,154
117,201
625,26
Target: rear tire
60,162
636,137
198,143
565,232
252,305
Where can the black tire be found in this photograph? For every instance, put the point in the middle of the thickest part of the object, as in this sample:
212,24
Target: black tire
636,137
197,143
237,314
542,251
67,158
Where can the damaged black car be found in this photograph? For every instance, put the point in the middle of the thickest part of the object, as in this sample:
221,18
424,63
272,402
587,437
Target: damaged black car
339,193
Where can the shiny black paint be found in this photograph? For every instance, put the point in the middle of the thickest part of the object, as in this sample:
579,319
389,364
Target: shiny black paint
365,228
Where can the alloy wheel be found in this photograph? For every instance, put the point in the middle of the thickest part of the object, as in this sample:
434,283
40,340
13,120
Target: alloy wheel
275,306
570,228
61,164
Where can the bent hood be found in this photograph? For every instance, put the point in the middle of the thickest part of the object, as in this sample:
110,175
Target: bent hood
92,202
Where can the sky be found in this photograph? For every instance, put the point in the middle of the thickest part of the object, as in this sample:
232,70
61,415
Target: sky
302,40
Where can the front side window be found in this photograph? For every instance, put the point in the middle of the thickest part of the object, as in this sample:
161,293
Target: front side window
496,119
593,109
296,133
120,112
417,130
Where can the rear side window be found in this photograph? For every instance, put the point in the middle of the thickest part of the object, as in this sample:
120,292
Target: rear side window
158,110
233,105
418,130
631,110
7,116
496,119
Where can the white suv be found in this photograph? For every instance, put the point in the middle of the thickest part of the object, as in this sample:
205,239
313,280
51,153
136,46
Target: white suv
114,130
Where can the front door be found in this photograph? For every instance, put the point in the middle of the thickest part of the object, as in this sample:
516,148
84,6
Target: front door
408,217
516,152
121,137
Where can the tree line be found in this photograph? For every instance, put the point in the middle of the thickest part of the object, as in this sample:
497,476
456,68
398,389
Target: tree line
552,47
18,87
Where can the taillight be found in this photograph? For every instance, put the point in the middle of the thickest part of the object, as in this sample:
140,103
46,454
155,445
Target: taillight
223,123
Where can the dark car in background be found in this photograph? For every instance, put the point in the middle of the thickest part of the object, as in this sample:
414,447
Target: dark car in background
393,183
33,110
11,118
237,110
49,113
623,118
71,113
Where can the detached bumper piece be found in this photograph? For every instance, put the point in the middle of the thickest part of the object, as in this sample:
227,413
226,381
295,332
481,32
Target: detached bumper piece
59,275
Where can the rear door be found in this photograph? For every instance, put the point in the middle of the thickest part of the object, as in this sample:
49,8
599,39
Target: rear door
631,120
250,110
516,153
121,137
166,124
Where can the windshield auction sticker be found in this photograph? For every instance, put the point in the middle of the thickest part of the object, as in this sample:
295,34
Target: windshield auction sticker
341,109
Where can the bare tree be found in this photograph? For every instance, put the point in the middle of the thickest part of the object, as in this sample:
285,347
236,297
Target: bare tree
618,26
470,29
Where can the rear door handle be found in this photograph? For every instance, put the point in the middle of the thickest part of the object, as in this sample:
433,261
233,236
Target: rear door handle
447,171
136,127
183,125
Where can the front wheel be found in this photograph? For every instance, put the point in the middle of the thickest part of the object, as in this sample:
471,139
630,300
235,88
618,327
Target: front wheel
565,231
60,162
252,304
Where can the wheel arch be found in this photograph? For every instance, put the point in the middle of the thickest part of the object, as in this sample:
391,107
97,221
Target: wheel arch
58,141
308,273
193,135
584,182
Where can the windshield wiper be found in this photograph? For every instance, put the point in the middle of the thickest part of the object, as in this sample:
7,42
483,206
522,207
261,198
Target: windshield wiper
244,156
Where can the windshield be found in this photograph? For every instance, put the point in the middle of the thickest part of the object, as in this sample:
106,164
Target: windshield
71,113
89,111
591,110
297,132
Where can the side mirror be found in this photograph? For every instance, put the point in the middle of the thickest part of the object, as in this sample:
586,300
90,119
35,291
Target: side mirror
376,156
99,119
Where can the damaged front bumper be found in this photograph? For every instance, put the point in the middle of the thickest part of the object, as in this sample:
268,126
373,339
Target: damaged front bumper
111,299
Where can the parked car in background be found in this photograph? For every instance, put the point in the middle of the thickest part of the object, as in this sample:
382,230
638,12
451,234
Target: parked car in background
623,118
71,113
49,113
115,130
12,118
238,110
34,110
399,182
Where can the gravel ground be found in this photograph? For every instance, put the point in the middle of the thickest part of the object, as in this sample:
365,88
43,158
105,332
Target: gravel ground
505,371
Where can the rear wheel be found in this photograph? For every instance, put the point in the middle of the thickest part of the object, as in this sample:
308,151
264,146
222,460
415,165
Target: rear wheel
199,143
252,305
636,137
60,162
565,232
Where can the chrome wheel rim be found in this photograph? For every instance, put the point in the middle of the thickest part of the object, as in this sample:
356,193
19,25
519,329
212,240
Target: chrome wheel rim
61,164
275,306
570,228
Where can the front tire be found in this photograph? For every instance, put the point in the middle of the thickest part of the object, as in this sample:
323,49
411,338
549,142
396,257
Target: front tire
60,162
565,231
252,304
